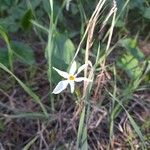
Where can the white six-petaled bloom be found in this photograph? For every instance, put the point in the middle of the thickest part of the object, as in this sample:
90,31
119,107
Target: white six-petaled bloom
70,77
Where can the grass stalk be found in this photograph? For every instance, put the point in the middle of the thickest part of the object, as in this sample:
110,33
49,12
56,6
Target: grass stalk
49,49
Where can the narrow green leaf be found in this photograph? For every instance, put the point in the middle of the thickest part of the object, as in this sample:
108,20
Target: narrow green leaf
27,89
40,26
23,52
28,115
133,123
10,52
27,146
4,59
137,130
82,133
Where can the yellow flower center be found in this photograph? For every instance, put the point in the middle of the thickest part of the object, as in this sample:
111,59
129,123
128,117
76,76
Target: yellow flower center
71,77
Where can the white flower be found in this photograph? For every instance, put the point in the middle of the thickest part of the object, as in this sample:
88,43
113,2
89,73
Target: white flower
70,77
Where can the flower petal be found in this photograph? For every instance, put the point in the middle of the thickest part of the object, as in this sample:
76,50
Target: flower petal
60,87
61,73
73,68
79,79
72,86
81,68
90,63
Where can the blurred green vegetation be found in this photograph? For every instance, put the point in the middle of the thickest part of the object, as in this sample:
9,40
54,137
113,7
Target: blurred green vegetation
16,19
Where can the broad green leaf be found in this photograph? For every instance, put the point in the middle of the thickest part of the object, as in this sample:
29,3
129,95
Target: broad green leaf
13,15
63,48
146,13
130,65
136,4
120,23
6,4
131,61
62,54
9,24
35,3
74,8
131,46
23,52
16,12
46,6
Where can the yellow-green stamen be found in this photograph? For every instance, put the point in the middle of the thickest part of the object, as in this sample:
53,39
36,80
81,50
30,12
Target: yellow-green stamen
71,77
